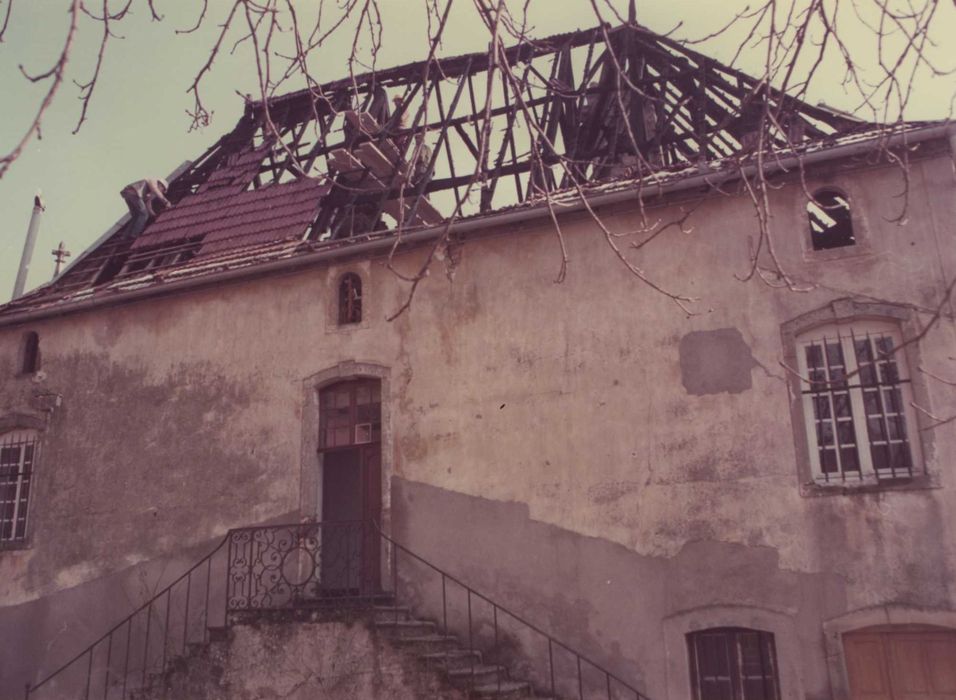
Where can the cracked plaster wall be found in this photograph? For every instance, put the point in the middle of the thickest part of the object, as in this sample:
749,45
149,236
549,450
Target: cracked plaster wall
181,417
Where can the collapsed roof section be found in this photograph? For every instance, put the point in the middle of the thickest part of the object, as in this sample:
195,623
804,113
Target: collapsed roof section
402,148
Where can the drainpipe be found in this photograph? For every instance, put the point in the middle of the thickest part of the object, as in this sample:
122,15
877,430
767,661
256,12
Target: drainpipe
28,246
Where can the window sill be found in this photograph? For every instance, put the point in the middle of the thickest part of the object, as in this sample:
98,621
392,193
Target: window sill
15,545
920,482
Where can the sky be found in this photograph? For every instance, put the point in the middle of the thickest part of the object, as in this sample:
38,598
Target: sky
138,127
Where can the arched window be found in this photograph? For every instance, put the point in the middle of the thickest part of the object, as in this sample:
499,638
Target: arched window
831,225
733,663
31,353
350,299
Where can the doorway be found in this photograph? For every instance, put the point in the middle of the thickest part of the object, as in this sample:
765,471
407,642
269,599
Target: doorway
350,452
901,663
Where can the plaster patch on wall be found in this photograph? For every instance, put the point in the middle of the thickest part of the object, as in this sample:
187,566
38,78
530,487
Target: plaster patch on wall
717,361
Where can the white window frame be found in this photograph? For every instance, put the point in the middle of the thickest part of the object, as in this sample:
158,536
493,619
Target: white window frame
845,333
20,439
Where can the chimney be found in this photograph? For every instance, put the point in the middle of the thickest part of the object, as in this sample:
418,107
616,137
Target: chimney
28,246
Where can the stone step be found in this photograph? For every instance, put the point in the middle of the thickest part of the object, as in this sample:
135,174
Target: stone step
407,628
506,690
478,675
427,644
454,658
386,613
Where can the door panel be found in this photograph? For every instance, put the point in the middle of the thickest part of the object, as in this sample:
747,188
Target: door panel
902,664
866,666
941,654
341,513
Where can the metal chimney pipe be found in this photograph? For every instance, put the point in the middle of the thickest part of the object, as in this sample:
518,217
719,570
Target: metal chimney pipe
28,246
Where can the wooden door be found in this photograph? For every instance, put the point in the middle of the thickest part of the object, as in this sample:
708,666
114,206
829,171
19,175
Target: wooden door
350,447
901,664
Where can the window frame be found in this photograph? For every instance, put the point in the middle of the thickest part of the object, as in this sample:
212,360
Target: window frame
815,201
332,285
10,428
351,284
847,313
846,334
770,667
858,222
359,430
31,359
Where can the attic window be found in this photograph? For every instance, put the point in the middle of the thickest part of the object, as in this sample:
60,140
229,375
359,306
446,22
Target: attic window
350,299
31,353
831,225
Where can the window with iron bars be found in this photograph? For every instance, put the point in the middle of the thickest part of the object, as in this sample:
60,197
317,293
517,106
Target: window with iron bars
857,402
18,450
733,663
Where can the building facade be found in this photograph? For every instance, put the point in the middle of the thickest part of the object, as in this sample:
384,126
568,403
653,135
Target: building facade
753,501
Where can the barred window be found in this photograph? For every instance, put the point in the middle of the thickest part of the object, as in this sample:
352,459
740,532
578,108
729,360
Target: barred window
733,663
857,403
18,451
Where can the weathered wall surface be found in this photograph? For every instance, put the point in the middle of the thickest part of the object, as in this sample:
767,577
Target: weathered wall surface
651,477
304,661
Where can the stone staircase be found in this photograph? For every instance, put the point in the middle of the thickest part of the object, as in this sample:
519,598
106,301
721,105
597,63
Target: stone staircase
411,655
461,667
237,626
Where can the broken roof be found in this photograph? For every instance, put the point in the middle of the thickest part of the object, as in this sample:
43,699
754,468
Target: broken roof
613,108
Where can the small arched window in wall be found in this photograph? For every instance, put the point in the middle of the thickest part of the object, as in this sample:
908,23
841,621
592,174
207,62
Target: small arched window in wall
831,225
31,353
350,299
733,663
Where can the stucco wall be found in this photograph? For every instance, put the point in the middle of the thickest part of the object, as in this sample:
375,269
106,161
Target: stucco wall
656,486
303,661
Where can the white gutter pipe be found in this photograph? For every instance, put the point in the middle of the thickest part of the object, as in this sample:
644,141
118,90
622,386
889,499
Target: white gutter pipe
491,221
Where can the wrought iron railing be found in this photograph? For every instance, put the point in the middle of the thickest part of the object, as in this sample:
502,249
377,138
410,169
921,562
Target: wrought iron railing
322,565
302,565
143,643
504,638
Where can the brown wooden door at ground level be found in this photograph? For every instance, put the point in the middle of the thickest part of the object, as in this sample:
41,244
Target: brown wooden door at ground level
917,664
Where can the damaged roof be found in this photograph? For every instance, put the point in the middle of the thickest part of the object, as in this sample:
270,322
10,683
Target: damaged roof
356,160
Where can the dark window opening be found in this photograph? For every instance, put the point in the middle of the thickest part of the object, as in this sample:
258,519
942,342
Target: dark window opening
831,225
31,353
350,299
732,663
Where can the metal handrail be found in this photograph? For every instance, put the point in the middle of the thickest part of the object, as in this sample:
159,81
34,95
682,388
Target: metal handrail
128,620
246,589
496,607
